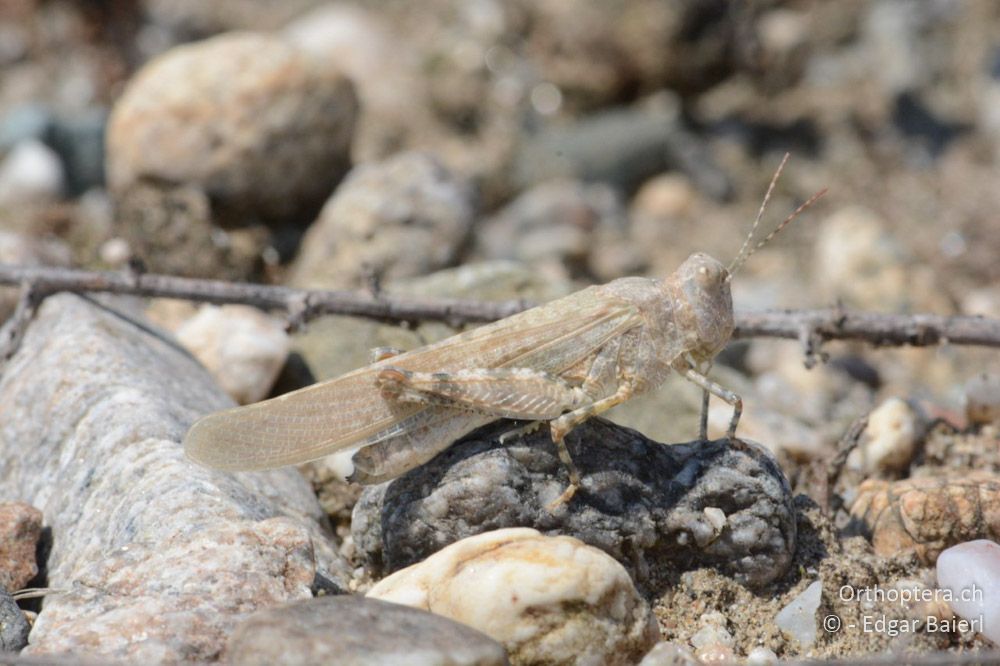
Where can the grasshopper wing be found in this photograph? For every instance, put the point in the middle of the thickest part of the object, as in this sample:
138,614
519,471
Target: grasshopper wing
336,414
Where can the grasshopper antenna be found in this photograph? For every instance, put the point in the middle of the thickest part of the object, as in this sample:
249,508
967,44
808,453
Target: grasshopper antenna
746,250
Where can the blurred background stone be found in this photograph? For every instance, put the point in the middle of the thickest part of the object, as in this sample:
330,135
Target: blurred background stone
246,118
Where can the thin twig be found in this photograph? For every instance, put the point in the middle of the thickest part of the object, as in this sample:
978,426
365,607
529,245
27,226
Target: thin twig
917,330
304,304
812,326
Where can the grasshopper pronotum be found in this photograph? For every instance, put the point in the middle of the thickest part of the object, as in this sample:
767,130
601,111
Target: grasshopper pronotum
561,362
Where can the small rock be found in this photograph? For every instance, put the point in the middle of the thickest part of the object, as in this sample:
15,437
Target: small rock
173,230
30,174
667,653
982,399
579,228
245,117
713,643
889,441
925,515
797,620
359,632
385,69
971,572
14,627
859,262
664,196
642,502
20,529
241,346
400,218
548,600
622,147
79,139
761,656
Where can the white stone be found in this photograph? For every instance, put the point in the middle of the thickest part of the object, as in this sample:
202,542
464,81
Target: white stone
243,348
971,572
31,172
545,599
797,620
667,653
890,439
761,656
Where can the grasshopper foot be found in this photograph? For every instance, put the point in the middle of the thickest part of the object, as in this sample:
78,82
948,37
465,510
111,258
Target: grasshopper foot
566,496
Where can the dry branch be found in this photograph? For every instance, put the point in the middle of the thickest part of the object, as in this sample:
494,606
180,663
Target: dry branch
299,304
812,327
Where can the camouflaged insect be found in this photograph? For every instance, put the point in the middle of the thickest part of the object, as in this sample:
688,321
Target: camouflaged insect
561,362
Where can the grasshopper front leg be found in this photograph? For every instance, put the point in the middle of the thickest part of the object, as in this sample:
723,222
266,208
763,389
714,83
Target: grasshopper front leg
725,394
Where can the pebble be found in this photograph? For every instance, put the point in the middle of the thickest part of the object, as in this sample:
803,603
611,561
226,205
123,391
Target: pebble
926,515
859,262
668,653
384,67
550,600
31,173
622,147
982,399
157,558
761,656
174,230
797,620
890,440
563,224
399,218
713,643
245,117
360,632
241,346
641,502
14,626
971,572
20,529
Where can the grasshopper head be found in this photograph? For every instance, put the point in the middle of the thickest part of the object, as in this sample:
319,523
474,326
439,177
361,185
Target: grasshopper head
707,321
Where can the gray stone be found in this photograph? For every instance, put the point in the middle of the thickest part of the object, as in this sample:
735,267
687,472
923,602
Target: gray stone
14,627
651,506
623,147
154,558
581,228
354,631
399,218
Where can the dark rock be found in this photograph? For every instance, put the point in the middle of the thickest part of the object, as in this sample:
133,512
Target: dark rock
720,504
14,627
354,631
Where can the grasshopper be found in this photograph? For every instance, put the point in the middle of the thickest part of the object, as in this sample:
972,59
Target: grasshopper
561,362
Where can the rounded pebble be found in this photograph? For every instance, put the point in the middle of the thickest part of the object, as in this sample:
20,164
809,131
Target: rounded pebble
890,439
982,399
30,173
546,599
242,347
245,117
971,572
403,217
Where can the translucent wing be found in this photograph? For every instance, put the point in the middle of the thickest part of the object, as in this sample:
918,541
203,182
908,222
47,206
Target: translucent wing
324,418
